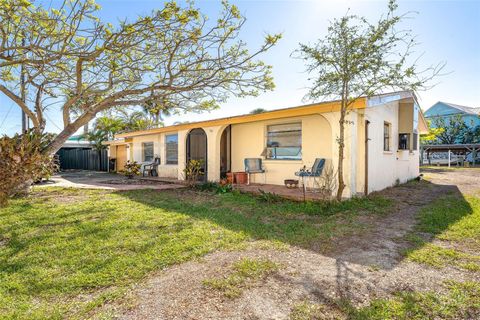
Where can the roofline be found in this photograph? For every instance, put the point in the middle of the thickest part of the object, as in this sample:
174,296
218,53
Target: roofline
308,109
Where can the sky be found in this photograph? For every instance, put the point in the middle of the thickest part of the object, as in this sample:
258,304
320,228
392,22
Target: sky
448,31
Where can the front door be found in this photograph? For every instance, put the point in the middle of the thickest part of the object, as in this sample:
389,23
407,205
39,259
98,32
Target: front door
197,150
121,157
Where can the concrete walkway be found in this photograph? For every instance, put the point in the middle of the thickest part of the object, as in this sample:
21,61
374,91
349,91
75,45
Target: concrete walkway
104,180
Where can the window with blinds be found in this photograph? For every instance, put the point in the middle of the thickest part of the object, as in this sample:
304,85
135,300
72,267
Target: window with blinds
284,141
171,149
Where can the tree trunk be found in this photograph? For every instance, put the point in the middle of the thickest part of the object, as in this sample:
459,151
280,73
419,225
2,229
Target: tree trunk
341,147
67,132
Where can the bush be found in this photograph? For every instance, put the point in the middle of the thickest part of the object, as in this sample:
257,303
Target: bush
193,171
22,162
222,187
132,168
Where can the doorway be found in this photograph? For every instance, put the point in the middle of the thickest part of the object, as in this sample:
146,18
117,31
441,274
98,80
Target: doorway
197,150
225,152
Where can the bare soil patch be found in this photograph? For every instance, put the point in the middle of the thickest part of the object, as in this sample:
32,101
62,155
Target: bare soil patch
361,267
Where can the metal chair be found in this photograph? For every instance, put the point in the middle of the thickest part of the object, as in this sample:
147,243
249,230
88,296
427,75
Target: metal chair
254,165
315,172
152,168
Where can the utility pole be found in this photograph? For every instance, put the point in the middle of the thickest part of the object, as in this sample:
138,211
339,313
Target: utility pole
22,93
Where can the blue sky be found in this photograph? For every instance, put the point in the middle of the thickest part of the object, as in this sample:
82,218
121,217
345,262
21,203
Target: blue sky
447,30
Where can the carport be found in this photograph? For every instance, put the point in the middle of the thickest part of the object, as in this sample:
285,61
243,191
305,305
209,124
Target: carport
457,149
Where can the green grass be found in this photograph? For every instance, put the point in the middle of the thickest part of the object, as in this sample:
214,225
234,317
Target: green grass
459,300
64,252
245,272
455,223
462,301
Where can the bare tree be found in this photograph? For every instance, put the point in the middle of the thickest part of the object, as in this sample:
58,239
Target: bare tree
357,58
75,62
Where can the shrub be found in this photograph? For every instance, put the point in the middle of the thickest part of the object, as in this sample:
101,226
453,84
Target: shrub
193,171
132,168
222,187
22,162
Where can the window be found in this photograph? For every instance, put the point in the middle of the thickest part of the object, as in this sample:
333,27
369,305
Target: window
284,142
171,148
404,141
386,136
147,151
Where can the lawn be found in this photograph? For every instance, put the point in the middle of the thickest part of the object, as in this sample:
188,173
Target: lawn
64,252
453,223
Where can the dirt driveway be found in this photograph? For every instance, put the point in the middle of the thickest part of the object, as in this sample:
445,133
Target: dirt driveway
360,268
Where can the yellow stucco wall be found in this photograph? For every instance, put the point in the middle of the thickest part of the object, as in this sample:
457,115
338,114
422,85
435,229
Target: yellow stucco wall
164,170
249,141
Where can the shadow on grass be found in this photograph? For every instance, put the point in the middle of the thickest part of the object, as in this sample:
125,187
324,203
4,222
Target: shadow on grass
320,227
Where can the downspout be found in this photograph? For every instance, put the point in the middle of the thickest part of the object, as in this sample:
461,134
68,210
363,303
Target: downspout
365,191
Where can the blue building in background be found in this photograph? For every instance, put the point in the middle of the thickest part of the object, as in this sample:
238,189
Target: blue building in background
471,116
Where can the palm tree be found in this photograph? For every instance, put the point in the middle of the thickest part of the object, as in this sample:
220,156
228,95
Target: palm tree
157,110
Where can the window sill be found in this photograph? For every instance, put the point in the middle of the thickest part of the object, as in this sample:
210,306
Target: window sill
283,160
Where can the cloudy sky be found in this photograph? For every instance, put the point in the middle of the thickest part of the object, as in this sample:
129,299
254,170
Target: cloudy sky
447,30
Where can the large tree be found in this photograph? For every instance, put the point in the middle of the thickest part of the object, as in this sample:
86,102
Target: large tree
358,58
67,58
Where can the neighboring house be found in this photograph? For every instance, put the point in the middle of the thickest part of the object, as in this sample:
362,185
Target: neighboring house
381,145
471,116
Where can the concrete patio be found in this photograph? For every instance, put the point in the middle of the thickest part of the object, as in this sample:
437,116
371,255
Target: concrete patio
110,181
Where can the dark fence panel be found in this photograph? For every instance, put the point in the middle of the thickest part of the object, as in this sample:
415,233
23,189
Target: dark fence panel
83,159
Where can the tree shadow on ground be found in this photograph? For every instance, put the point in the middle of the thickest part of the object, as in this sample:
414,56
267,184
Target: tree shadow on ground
369,232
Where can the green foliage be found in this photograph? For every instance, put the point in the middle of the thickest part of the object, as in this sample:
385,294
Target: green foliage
357,58
193,171
269,197
131,169
172,59
258,110
215,187
245,272
455,223
432,136
454,129
460,302
22,162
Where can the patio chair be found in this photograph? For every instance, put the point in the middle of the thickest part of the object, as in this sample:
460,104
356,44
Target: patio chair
315,172
152,168
254,165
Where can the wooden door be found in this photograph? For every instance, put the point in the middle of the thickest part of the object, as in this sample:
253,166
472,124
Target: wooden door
121,157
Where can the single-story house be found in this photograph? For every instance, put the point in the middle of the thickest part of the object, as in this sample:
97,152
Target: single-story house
381,142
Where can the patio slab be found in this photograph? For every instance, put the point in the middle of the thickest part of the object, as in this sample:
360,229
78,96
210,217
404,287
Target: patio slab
104,180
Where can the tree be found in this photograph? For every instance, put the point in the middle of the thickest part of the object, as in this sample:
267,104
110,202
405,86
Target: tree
432,136
453,129
357,58
73,61
258,110
158,110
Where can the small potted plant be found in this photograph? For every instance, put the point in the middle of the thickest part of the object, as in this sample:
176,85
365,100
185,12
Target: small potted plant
131,169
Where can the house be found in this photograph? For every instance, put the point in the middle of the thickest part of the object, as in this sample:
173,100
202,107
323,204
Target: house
471,116
381,144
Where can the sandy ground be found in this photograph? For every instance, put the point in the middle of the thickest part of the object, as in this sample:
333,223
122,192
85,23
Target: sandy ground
360,268
104,180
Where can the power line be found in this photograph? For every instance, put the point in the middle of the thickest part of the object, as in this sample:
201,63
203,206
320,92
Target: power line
6,116
49,119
